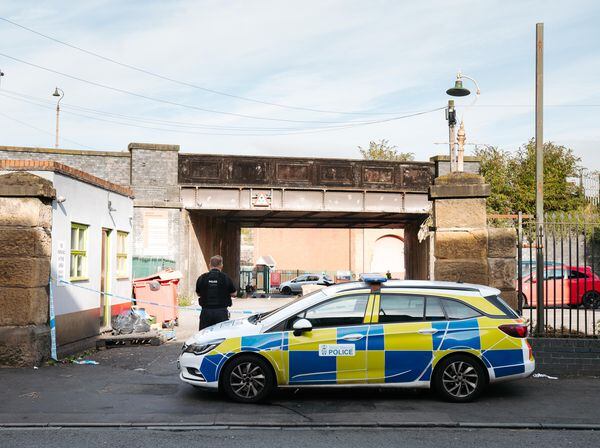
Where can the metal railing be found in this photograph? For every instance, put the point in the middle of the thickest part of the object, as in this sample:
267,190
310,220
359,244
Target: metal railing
570,305
589,183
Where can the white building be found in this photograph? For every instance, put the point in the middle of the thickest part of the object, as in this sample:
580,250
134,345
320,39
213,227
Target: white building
91,249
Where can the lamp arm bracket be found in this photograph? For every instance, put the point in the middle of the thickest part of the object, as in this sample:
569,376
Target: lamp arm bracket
460,75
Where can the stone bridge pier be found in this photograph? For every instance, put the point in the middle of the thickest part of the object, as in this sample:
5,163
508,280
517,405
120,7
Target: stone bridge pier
465,248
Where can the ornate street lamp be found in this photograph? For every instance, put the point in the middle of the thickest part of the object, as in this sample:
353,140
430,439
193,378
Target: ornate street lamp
457,157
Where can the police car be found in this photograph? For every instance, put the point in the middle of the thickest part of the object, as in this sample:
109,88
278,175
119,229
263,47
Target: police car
453,337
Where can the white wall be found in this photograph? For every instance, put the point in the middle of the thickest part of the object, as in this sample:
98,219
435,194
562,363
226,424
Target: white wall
88,204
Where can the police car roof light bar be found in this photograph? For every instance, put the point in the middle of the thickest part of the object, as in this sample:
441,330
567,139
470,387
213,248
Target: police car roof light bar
373,278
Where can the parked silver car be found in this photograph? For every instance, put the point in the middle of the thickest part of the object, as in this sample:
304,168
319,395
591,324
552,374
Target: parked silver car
294,286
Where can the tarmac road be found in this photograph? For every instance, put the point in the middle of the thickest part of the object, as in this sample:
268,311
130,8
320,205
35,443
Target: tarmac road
330,438
141,385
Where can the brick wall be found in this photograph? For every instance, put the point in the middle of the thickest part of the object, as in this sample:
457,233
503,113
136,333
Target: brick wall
108,165
51,165
567,357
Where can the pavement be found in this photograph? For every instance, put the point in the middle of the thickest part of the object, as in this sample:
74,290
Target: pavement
329,438
139,387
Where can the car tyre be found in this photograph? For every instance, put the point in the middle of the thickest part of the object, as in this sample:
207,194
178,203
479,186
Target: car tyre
247,379
459,378
287,291
591,299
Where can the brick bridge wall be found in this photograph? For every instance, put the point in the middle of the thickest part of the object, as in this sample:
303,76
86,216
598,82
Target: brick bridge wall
112,166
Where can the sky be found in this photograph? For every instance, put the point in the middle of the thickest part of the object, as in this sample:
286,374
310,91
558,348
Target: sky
338,74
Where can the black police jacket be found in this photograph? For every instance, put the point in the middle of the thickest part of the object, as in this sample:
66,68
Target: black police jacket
214,289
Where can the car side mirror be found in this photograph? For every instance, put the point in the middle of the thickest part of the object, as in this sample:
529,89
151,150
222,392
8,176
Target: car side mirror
534,280
301,326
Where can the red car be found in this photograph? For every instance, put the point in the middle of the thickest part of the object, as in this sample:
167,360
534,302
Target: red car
564,286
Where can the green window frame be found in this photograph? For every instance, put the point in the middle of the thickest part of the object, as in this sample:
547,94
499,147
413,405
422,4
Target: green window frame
79,260
122,254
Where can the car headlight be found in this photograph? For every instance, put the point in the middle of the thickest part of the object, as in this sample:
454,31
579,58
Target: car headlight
198,348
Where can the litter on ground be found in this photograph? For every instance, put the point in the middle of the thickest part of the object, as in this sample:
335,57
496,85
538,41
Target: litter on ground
543,375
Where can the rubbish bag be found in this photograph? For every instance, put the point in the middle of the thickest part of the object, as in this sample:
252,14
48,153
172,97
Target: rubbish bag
131,321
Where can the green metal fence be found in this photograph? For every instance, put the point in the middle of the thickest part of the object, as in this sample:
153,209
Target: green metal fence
146,266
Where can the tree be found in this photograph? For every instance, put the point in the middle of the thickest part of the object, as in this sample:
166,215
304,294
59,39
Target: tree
496,166
512,178
384,151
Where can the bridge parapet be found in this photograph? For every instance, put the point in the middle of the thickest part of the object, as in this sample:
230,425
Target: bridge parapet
282,172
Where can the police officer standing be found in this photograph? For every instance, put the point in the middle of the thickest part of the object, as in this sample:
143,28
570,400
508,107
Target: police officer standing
214,289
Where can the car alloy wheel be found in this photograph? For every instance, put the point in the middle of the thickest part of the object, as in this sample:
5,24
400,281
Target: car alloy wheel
247,379
287,291
459,378
591,299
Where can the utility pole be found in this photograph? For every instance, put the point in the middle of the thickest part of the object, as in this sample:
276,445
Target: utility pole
539,173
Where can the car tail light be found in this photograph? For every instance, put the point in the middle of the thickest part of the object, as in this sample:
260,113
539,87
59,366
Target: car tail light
514,330
529,350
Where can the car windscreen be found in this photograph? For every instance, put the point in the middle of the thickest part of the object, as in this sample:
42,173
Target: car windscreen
262,316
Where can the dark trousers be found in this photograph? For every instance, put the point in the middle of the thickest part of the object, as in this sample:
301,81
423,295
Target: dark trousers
212,316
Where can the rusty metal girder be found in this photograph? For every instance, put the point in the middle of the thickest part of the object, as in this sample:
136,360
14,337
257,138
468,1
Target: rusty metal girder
284,172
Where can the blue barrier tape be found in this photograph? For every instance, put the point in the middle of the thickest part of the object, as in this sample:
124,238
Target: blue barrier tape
52,322
131,299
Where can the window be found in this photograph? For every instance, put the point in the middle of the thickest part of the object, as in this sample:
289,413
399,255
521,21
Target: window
577,274
122,271
433,309
346,310
302,278
552,274
502,306
312,278
401,308
79,233
458,310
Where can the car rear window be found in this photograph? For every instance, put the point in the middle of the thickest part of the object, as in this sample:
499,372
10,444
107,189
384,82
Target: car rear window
456,310
502,305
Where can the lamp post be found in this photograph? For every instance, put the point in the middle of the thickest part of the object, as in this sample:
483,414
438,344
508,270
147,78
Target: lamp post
457,157
60,94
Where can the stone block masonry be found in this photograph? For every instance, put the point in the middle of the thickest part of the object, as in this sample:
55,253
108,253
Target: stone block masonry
154,171
465,248
25,250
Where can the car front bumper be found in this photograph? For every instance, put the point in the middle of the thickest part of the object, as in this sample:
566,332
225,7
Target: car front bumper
189,371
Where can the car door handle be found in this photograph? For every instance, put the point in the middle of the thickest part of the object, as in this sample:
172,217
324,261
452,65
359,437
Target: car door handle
353,337
428,331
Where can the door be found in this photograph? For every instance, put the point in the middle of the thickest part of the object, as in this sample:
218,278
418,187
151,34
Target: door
105,279
334,351
579,282
400,340
556,289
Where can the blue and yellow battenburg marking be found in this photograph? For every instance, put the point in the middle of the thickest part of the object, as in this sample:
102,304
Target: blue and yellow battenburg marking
382,353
